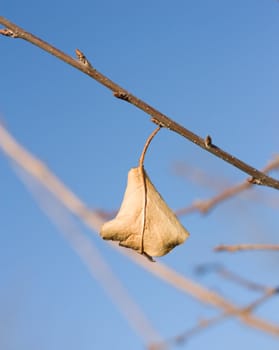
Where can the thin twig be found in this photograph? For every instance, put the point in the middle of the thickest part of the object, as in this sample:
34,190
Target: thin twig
239,247
231,276
156,116
262,299
14,151
205,205
189,333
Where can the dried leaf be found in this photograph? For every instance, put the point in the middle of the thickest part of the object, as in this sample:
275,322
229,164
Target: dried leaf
144,222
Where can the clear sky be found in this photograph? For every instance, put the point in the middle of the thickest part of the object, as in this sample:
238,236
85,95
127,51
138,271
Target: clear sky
210,65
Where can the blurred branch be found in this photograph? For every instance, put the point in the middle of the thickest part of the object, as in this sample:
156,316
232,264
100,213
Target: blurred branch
205,205
189,333
210,322
91,258
239,247
39,171
82,64
231,276
199,177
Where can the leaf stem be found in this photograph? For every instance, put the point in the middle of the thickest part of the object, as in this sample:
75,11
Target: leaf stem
147,143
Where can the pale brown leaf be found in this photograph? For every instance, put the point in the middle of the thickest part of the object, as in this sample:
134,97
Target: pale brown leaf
144,222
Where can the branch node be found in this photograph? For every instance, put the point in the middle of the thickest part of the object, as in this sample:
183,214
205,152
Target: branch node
208,141
82,58
122,95
157,122
202,206
9,33
254,181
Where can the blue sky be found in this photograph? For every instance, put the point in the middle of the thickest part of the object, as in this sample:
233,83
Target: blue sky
210,65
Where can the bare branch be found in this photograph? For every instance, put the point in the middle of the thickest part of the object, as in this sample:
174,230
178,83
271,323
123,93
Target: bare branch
156,116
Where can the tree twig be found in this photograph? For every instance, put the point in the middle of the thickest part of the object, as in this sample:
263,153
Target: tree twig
159,118
185,336
249,246
231,276
205,205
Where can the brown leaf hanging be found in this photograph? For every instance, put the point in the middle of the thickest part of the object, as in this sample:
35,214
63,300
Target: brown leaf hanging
144,222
